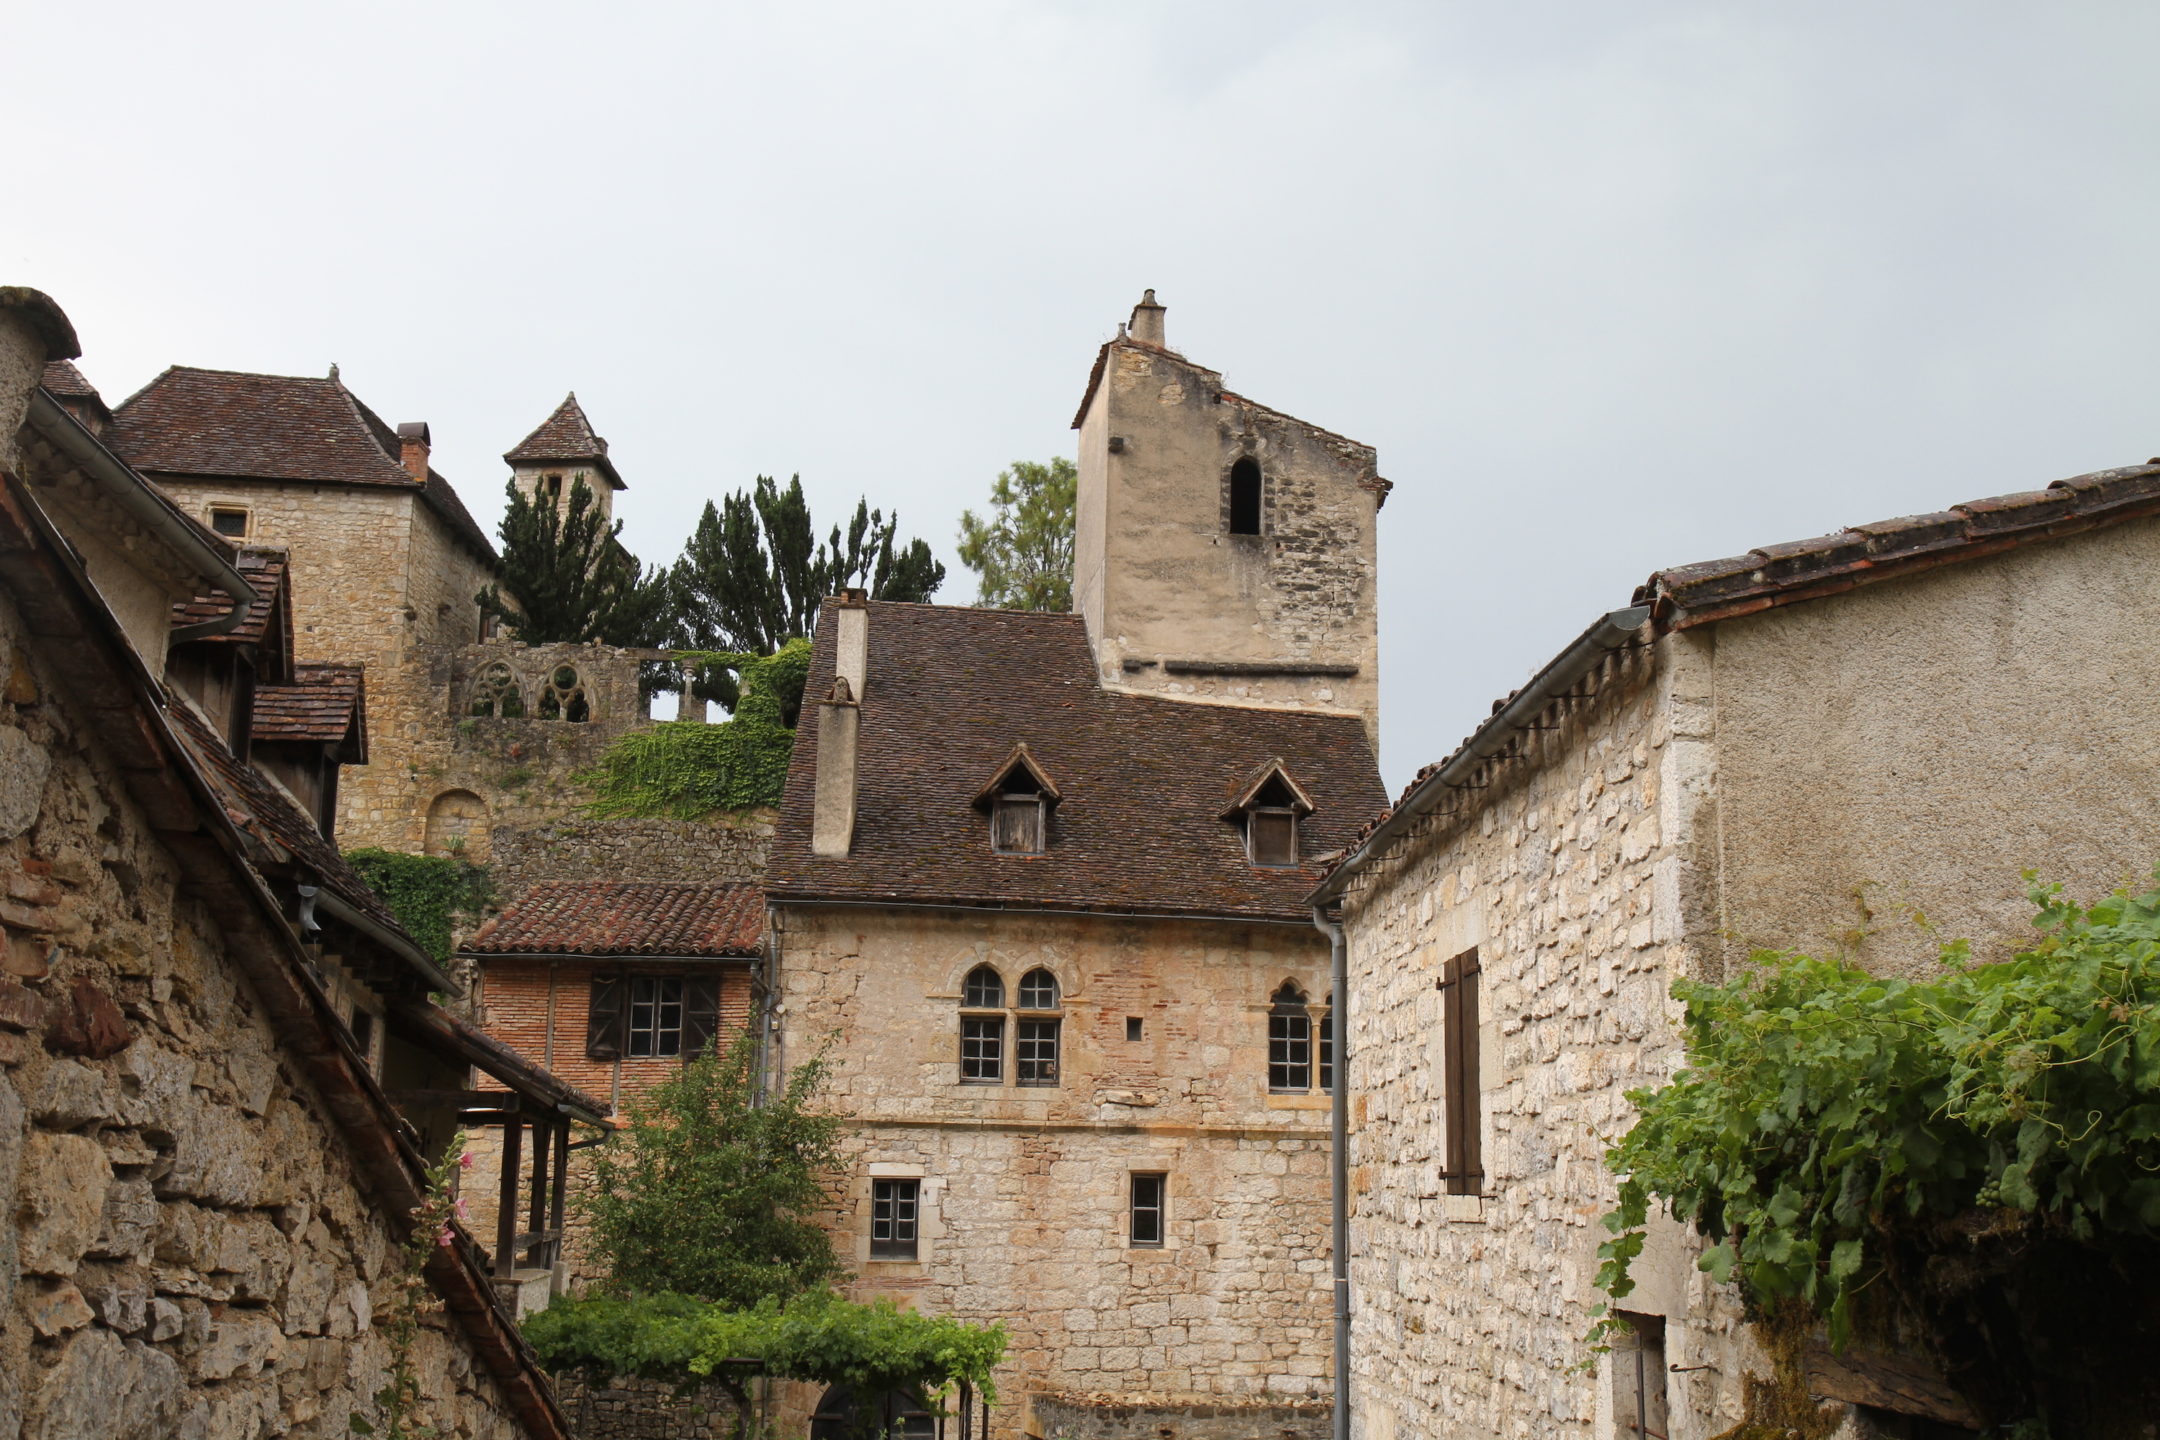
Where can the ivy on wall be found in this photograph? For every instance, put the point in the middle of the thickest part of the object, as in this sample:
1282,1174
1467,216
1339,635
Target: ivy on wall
427,893
685,769
1971,1161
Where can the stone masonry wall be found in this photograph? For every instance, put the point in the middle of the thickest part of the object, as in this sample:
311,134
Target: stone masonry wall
1572,874
191,1252
1025,1190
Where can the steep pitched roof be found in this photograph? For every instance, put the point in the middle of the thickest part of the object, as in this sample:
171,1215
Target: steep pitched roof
233,425
613,917
566,436
264,569
325,704
950,691
63,379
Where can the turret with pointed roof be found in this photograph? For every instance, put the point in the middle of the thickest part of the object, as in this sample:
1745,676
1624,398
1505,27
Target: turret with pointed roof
563,450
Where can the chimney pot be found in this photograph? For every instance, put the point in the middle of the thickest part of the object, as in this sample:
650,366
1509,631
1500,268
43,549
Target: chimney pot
413,446
1147,320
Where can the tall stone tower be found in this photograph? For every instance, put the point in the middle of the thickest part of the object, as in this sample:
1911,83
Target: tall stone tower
1222,551
561,452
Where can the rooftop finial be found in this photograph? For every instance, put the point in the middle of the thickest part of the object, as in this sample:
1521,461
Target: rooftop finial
333,364
1147,320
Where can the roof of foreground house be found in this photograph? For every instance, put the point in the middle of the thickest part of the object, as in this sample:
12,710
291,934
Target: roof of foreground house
265,569
1142,782
567,436
325,703
1793,571
619,917
234,425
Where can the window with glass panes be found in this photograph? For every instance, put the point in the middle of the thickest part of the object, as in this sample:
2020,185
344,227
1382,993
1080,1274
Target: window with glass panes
1148,1195
656,1015
895,1207
1035,1035
1289,1041
982,1037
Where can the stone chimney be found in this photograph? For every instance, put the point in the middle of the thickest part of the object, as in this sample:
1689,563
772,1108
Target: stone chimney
832,806
413,446
1147,321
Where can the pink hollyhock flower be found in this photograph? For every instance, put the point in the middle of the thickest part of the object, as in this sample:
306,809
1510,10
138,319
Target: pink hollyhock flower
465,1161
458,1206
446,1238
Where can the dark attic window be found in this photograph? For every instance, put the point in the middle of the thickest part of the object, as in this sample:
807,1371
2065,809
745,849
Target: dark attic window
229,522
1271,826
1245,497
1016,821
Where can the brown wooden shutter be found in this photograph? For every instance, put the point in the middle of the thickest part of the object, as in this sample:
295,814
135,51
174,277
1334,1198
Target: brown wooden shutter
701,1014
1462,1101
604,1018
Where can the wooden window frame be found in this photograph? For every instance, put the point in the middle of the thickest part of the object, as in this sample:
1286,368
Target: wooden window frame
1020,818
608,1012
1147,1194
1290,1043
1036,1040
1253,818
896,1209
982,1049
1462,1098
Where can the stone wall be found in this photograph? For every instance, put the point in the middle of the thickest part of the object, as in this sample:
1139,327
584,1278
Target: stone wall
1025,1190
192,1251
1571,874
1069,1419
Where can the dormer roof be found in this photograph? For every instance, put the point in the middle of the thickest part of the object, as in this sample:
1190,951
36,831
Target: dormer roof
269,624
1262,788
1024,762
325,704
567,438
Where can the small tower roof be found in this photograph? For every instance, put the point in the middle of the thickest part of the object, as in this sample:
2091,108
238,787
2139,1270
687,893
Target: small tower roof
566,437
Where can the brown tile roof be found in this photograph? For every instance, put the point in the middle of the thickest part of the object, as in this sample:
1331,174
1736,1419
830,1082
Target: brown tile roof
325,703
264,569
233,425
63,379
567,436
618,917
256,806
1809,569
950,691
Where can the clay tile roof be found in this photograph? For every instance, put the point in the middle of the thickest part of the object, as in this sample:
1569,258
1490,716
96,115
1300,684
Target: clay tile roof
232,425
325,704
622,917
62,378
1806,569
266,571
566,436
950,691
256,805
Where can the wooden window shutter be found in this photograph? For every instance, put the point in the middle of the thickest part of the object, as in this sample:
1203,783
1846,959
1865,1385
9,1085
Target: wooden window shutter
1462,1102
701,1014
604,1018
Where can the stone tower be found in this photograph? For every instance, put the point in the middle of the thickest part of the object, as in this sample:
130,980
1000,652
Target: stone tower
1223,551
561,452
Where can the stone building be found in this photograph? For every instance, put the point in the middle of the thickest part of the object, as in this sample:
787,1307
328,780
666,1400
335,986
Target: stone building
1046,890
1794,748
220,1072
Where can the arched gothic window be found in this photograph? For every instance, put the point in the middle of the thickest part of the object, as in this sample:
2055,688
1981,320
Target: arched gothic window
982,1036
1245,497
1289,1035
496,694
563,698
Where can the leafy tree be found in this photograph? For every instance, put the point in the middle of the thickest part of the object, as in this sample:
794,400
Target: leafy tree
754,572
707,1192
686,769
566,576
1023,553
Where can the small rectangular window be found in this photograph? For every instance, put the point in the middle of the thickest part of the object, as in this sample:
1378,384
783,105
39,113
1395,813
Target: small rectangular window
1135,1027
229,522
1035,1052
656,1015
1638,1378
1147,1209
1271,837
982,1049
1289,1045
1462,1102
893,1218
1016,825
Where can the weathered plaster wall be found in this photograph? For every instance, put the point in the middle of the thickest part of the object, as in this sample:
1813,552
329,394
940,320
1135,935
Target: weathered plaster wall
1025,1189
189,1249
1921,742
1573,875
1162,579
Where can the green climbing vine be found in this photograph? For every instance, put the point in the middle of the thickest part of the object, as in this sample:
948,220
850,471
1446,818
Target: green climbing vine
401,1404
685,770
427,893
1837,1136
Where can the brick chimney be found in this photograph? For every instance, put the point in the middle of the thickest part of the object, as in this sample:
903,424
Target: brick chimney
1147,321
832,805
414,443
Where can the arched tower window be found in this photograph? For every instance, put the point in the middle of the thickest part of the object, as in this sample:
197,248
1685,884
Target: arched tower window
564,697
982,1032
1289,1037
1035,1038
1245,497
496,694
457,824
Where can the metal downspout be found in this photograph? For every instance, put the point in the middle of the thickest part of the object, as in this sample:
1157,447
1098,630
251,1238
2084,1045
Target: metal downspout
1339,1160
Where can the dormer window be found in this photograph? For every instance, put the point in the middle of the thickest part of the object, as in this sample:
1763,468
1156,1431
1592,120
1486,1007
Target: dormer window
1018,803
1268,809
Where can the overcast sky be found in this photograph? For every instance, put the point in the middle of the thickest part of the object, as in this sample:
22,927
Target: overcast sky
1610,286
